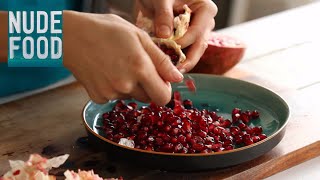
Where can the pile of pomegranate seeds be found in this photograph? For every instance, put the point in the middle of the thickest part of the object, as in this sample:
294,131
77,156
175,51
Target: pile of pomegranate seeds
179,127
171,53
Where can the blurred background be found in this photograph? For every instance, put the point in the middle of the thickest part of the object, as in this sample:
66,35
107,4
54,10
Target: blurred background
231,12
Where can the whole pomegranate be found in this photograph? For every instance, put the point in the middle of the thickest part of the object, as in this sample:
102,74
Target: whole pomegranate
223,53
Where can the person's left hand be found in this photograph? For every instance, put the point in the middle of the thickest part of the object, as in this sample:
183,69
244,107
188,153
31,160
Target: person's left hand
195,39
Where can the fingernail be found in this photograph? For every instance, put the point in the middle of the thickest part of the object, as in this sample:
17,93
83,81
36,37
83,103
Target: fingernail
177,76
164,30
182,71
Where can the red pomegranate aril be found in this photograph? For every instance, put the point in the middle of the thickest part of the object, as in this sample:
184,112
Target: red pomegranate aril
184,150
229,147
187,104
166,138
150,148
257,130
218,130
242,126
15,173
174,140
188,137
248,130
255,114
191,85
236,111
227,123
186,126
178,147
133,105
245,118
248,141
198,146
255,139
206,151
167,147
234,130
262,136
159,141
235,117
175,131
202,134
167,128
238,139
227,142
181,128
142,142
182,139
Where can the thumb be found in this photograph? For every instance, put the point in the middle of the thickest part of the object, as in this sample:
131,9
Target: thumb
163,18
162,62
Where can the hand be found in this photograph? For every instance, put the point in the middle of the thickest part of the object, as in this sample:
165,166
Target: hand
202,23
113,59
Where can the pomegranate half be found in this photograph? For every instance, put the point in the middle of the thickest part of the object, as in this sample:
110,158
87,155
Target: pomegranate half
222,54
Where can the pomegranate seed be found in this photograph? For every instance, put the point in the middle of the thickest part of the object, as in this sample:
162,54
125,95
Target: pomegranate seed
248,141
235,117
198,147
159,141
238,139
227,123
236,111
174,140
262,136
17,172
191,85
202,134
182,139
167,147
255,114
187,104
229,147
133,105
257,130
178,147
245,118
255,139
242,126
150,148
234,130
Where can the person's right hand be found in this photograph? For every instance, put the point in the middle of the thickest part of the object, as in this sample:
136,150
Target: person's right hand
113,59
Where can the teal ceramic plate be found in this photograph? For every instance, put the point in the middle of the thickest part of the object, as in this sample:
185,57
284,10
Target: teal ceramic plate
214,93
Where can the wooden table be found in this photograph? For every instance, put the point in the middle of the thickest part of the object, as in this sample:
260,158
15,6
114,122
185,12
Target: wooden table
282,55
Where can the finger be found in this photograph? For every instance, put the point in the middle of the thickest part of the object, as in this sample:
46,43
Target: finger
163,18
161,61
95,96
202,22
158,91
141,6
193,55
140,94
156,88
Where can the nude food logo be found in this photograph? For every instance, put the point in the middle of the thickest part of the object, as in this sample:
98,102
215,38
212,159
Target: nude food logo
35,39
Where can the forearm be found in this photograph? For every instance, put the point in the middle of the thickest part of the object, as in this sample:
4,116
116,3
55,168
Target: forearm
3,36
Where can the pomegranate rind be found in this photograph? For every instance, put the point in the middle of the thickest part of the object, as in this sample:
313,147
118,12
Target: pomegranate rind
218,58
